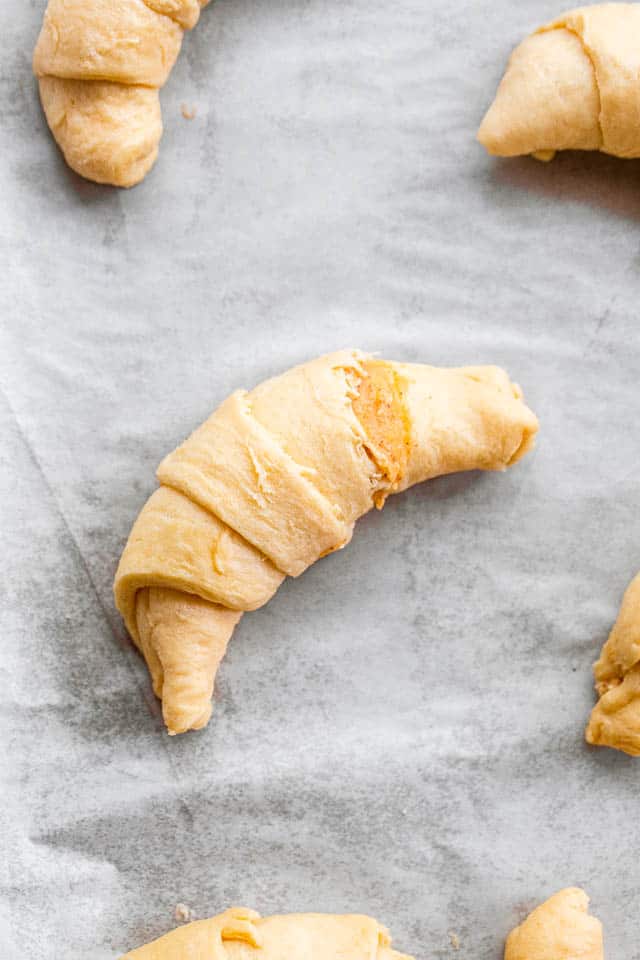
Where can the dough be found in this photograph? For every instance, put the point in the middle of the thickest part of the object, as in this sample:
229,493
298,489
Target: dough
100,64
572,85
277,478
241,934
559,929
615,720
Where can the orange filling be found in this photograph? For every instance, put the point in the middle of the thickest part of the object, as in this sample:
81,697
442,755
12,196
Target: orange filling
382,410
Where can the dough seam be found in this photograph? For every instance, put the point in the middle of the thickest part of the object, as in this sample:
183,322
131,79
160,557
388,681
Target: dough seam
195,482
589,55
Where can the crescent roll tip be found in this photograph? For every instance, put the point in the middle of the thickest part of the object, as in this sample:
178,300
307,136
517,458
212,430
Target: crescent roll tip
574,84
561,928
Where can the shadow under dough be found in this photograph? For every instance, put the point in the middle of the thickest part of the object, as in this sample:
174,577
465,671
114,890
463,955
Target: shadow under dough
583,176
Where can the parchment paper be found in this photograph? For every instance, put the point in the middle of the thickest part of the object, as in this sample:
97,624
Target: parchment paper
400,730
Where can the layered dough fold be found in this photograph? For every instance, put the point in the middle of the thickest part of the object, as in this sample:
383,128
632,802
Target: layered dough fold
275,479
615,720
241,934
561,928
573,85
100,64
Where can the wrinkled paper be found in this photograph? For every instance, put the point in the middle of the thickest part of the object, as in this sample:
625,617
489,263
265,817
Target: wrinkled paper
399,731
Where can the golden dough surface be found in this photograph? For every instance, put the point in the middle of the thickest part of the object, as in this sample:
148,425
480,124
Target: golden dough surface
610,34
99,65
561,928
107,132
572,85
276,478
615,719
234,468
462,416
184,12
119,40
241,934
621,652
547,100
175,543
183,640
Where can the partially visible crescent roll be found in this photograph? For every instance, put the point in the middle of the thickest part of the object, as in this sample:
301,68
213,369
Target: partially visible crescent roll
241,934
100,64
615,720
561,928
277,478
573,85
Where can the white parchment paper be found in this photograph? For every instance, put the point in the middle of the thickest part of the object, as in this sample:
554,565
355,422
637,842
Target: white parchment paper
400,730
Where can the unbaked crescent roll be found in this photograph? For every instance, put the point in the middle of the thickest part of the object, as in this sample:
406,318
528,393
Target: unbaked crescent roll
572,85
561,928
615,720
277,478
242,934
100,64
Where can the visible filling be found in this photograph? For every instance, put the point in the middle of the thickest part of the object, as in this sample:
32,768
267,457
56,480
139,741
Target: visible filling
381,408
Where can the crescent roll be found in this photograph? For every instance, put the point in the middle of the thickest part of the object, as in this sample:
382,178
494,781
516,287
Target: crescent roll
275,479
572,85
561,928
100,65
615,719
242,934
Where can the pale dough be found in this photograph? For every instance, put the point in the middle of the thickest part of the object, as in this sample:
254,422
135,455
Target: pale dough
100,64
561,928
241,934
615,720
572,85
277,478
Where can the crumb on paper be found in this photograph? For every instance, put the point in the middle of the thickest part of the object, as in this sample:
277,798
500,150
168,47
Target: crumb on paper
188,112
183,913
455,940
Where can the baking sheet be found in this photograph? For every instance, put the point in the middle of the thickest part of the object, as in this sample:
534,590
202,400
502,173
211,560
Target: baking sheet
400,730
